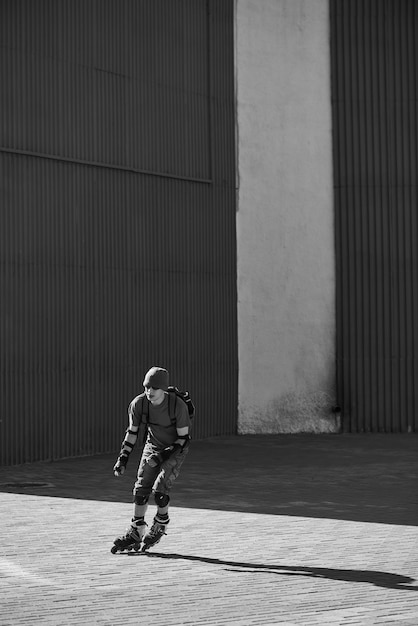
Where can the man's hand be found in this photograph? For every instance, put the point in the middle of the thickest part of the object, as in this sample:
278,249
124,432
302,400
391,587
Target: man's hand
160,457
120,465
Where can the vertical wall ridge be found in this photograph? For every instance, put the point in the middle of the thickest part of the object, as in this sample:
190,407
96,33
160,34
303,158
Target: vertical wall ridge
374,86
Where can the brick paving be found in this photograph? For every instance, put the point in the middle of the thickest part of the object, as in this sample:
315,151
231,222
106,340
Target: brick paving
291,530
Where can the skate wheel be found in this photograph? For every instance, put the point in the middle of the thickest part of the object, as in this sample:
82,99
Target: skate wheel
137,548
113,549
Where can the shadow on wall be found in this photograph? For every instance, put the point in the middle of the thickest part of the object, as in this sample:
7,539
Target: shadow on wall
293,412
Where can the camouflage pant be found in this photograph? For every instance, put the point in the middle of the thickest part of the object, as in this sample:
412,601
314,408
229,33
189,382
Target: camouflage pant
161,477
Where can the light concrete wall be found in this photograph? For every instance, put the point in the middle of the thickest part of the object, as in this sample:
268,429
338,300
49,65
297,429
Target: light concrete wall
286,275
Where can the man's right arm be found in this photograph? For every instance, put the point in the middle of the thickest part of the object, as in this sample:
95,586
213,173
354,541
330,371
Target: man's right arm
128,443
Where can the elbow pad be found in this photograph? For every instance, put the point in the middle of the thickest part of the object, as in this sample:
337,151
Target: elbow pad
185,438
127,446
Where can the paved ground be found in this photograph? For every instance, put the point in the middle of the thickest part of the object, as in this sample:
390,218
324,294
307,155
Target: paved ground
294,530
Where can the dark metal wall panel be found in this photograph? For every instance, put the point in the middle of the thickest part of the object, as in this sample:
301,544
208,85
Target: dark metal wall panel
123,83
117,238
374,90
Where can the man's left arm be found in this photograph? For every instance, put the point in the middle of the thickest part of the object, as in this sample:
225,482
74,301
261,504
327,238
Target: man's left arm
182,436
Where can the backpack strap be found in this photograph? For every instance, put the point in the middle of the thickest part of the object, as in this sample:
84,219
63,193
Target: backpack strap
172,404
144,410
144,413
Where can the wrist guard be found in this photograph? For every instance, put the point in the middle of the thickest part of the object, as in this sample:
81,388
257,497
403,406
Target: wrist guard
123,459
167,452
120,464
160,457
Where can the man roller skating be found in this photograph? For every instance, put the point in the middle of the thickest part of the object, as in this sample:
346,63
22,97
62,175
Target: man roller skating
163,417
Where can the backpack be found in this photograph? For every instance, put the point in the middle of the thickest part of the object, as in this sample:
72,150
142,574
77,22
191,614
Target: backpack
173,394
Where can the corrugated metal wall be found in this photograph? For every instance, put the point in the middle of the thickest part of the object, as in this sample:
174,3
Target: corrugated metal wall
118,242
375,84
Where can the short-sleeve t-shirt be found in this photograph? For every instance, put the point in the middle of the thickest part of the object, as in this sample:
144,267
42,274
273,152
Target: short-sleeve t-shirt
161,431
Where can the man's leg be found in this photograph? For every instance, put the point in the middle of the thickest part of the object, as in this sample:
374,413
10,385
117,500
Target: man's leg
145,479
162,486
143,486
162,501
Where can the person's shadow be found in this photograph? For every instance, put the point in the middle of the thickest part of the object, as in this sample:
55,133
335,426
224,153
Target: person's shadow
379,579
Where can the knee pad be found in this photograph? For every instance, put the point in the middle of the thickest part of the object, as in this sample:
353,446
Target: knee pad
161,499
138,499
